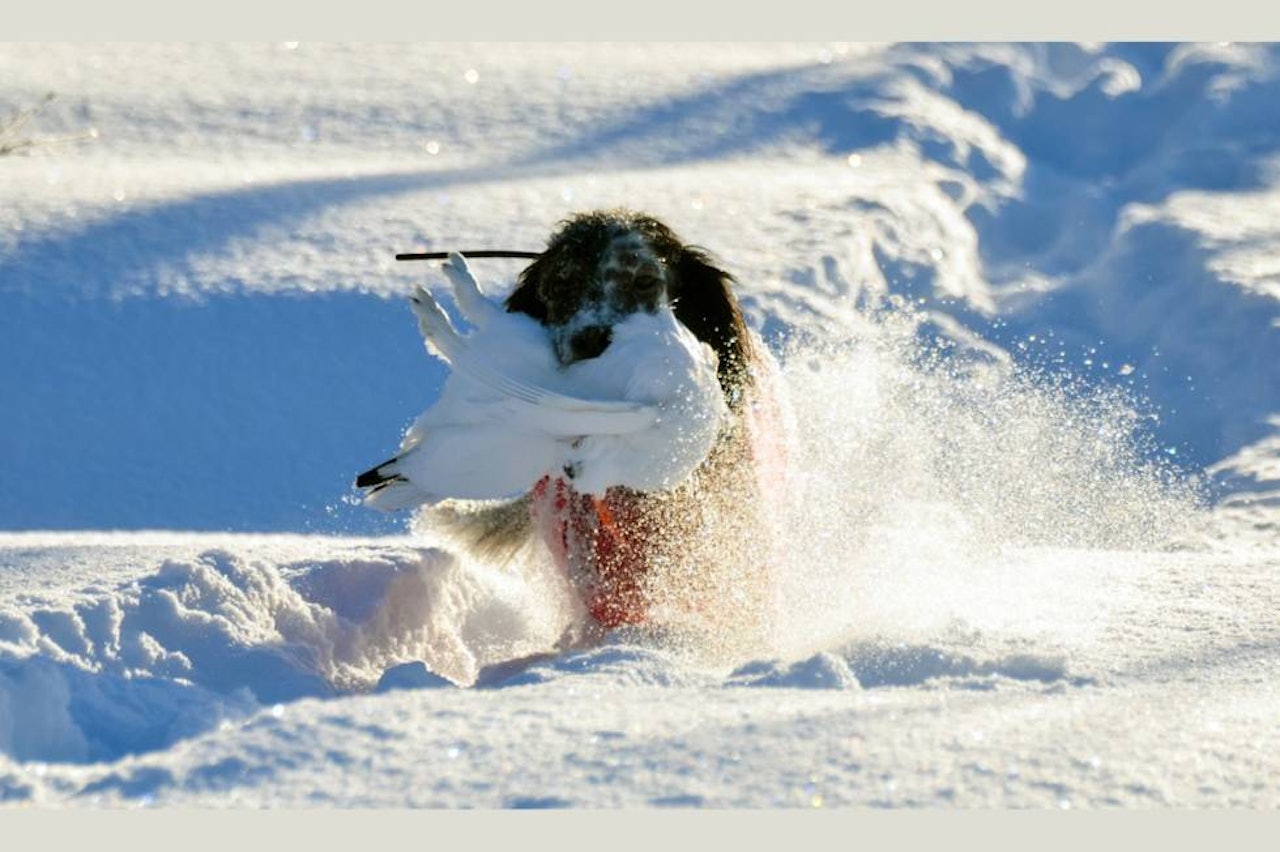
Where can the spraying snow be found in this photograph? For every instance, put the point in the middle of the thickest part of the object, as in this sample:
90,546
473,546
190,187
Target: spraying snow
917,470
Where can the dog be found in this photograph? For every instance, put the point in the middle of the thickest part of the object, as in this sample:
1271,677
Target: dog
699,551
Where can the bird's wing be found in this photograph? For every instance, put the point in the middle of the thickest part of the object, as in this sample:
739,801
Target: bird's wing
555,412
475,307
438,333
479,461
550,410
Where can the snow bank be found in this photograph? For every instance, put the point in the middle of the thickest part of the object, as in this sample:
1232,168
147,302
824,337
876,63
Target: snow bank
198,642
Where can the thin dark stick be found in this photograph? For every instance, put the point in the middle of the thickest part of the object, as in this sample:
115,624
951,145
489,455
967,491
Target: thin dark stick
441,255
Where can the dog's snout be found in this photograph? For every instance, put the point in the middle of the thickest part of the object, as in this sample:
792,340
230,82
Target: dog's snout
587,343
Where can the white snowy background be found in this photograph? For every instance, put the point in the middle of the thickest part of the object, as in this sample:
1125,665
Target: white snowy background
1028,302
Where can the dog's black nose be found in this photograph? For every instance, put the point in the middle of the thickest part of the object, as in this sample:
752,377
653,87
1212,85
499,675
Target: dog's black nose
589,342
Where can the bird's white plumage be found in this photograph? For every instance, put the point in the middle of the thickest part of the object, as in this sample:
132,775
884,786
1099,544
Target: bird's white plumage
644,414
655,360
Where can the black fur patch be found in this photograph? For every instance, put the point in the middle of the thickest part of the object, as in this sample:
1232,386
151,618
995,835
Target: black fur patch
568,279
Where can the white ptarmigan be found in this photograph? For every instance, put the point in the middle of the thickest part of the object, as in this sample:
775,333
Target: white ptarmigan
644,413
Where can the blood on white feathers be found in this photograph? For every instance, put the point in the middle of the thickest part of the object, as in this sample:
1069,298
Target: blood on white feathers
643,414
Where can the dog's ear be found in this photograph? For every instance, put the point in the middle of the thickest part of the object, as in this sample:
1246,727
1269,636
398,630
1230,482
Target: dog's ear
526,298
703,300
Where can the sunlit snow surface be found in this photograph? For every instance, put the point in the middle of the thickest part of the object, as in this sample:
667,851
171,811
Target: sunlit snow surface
1026,298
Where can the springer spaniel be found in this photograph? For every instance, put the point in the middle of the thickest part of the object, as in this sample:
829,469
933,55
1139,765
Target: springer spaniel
700,551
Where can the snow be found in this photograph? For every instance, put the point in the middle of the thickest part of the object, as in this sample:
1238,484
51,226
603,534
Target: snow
1025,299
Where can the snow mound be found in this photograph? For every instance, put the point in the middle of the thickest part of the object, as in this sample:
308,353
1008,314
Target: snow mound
873,663
216,638
821,671
876,664
617,663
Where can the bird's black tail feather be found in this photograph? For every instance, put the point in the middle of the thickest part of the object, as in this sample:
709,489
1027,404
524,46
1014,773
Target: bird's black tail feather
378,475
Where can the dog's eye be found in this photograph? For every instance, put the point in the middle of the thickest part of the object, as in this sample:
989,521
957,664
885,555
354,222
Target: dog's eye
647,283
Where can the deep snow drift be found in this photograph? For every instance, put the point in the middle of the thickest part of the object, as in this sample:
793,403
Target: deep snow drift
1026,301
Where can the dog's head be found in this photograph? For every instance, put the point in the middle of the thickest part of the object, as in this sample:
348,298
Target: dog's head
603,266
